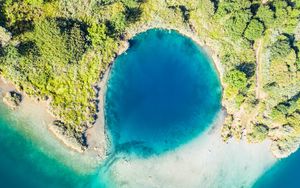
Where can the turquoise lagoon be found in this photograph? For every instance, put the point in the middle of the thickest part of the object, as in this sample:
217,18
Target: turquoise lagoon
162,93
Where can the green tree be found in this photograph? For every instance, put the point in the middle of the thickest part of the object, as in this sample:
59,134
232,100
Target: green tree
259,133
76,43
254,30
266,15
286,15
238,23
280,49
117,24
20,16
236,78
98,34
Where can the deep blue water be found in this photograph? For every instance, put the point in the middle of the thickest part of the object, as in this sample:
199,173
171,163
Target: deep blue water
162,92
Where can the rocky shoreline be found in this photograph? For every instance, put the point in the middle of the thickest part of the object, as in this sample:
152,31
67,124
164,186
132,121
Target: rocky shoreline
6,88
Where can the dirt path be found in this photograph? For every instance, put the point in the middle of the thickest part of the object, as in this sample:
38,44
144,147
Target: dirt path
242,117
258,92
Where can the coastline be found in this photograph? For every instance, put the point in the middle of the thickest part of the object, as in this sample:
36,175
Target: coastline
96,136
35,114
31,105
187,32
209,146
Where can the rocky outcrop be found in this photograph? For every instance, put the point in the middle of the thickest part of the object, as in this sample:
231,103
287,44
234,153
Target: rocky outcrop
284,148
13,99
58,129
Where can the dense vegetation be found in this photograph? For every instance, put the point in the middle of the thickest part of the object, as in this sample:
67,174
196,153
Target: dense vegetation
57,50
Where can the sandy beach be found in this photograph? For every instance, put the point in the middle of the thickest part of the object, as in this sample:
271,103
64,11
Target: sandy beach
97,138
38,122
207,161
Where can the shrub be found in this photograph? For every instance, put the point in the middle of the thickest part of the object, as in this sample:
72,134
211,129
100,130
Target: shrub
280,49
266,15
236,79
259,133
254,30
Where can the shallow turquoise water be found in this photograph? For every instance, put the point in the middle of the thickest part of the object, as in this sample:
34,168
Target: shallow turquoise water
163,92
26,163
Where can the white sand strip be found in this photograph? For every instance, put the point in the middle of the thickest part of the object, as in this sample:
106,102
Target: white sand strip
205,162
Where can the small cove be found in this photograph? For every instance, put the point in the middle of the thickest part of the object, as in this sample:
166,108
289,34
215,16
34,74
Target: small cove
162,92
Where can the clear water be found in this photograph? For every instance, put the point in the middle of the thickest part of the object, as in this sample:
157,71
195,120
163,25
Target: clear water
161,93
25,162
285,174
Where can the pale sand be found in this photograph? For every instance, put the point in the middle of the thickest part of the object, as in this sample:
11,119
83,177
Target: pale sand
97,139
39,112
35,121
207,161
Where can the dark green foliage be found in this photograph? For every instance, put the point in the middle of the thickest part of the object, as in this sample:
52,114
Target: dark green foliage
106,2
254,30
9,54
98,34
19,16
76,43
238,14
247,68
237,23
231,6
266,15
286,15
286,112
102,42
133,14
280,49
28,48
76,37
117,25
